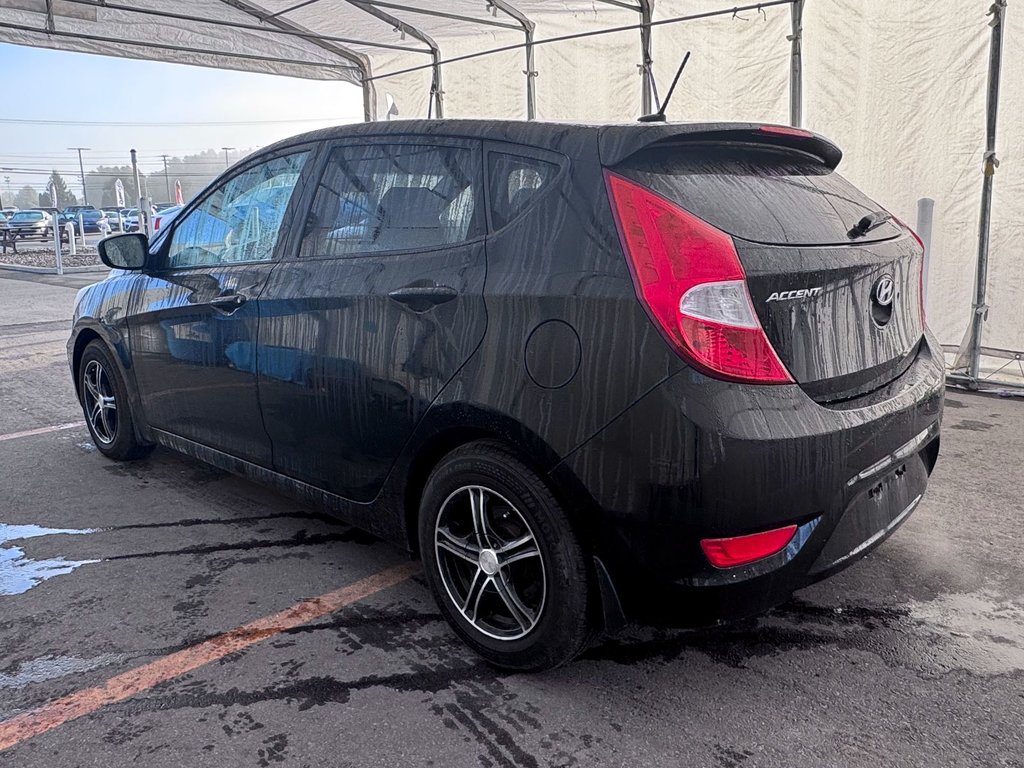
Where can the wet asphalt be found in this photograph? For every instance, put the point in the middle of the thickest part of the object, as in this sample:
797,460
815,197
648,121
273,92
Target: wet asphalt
913,657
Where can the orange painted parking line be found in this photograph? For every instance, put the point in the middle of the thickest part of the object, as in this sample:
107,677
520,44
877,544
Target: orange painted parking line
41,430
135,681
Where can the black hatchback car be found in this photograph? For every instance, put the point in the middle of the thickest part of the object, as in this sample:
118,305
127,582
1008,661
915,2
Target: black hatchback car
586,373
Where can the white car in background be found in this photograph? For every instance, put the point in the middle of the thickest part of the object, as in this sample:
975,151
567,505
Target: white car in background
163,218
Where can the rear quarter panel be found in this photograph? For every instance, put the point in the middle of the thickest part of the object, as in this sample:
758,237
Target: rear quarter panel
559,266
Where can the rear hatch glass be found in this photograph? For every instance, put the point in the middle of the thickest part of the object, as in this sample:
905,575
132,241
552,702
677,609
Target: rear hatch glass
759,194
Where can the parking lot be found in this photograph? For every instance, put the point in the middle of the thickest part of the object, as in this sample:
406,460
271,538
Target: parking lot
169,614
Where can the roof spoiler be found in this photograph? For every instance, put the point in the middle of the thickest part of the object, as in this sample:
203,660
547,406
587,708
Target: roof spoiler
618,142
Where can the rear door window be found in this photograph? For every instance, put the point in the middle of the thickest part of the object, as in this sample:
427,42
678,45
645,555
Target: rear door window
393,197
515,183
759,194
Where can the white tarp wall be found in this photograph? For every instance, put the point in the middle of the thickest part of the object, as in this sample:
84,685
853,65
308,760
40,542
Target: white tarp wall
900,85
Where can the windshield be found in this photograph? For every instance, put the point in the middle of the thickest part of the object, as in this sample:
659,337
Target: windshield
28,216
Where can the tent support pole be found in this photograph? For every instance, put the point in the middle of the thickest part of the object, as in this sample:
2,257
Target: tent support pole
531,77
360,61
796,64
647,95
530,72
436,91
979,309
369,101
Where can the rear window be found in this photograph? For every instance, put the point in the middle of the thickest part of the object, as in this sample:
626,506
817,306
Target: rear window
758,194
515,183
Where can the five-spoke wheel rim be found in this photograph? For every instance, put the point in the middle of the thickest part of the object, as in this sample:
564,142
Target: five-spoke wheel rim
490,562
100,405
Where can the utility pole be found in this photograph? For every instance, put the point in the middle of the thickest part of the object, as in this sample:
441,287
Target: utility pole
81,169
167,182
226,155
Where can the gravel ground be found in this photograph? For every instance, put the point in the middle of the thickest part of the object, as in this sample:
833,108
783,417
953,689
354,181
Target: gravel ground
44,257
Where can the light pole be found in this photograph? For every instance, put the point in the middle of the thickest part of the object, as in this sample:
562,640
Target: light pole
81,169
226,155
167,181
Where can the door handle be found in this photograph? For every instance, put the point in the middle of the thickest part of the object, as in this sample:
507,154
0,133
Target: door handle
228,303
420,298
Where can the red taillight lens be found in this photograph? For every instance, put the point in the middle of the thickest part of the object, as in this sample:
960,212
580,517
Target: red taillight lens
920,274
740,550
785,130
689,278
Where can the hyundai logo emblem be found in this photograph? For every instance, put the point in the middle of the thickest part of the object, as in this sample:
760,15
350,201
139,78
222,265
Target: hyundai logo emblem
884,291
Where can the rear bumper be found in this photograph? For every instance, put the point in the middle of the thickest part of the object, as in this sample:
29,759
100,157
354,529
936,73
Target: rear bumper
698,458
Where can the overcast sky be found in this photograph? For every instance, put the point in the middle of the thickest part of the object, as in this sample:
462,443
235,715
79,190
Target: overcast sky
101,88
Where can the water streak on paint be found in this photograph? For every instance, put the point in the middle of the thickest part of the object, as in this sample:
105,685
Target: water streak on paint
19,573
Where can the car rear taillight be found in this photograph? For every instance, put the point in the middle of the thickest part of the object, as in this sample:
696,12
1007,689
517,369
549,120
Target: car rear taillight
741,550
920,274
689,278
156,223
785,130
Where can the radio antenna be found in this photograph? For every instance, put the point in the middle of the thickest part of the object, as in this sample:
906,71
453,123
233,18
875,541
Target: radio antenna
659,116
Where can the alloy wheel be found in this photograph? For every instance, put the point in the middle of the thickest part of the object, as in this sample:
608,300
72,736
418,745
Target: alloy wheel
490,562
100,404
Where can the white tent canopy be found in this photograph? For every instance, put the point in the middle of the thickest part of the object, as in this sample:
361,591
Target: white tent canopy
900,85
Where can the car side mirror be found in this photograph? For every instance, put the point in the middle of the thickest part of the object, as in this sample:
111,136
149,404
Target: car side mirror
127,251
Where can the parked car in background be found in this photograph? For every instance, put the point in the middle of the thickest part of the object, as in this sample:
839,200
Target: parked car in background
31,223
90,219
131,220
161,207
113,220
165,216
3,220
666,372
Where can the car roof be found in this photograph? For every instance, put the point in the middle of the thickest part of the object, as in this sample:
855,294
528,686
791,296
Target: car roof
616,141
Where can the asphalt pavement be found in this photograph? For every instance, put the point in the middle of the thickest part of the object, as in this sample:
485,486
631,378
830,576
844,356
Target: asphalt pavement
163,613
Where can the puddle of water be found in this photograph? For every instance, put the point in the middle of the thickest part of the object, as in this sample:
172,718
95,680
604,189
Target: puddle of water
983,635
19,573
52,667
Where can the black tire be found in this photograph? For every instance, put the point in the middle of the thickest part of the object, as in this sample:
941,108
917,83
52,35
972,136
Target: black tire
113,432
560,625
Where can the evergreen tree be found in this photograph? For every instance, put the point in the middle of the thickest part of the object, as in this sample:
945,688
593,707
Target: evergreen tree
26,197
65,196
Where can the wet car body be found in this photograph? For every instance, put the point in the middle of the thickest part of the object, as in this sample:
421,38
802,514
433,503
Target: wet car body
326,385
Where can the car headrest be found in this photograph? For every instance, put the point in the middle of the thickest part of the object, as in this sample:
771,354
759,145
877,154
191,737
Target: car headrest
411,207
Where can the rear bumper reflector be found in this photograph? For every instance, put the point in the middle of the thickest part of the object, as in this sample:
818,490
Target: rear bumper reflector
741,550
